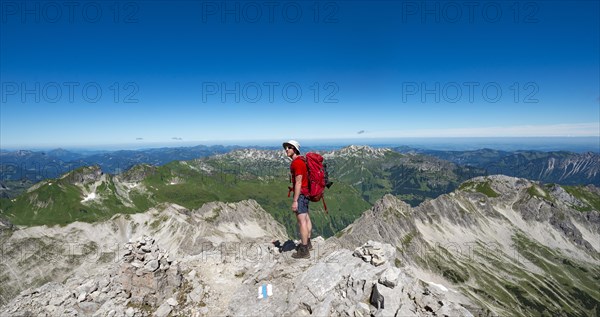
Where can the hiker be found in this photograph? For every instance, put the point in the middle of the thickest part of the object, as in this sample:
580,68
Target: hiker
299,178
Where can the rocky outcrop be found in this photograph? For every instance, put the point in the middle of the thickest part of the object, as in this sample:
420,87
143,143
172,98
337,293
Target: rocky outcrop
149,275
34,256
137,173
5,225
84,175
375,253
495,228
148,281
145,277
342,284
389,220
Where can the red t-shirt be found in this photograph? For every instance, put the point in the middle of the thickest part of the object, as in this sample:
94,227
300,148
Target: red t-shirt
298,167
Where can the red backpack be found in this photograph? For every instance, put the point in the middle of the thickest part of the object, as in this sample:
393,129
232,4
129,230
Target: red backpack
318,177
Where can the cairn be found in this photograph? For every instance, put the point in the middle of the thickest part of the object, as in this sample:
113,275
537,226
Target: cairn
374,253
150,275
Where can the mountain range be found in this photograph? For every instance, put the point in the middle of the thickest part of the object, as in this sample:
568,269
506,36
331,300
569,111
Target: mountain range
19,170
362,175
561,167
40,165
495,246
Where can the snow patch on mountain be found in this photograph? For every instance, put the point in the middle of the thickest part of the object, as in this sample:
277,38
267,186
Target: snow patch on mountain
90,196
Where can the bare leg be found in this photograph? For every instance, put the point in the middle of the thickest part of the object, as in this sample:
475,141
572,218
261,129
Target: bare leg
309,225
303,221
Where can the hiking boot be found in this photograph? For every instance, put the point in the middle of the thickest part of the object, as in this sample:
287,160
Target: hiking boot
302,253
310,247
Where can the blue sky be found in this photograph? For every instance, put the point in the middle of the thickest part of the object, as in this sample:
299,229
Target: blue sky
210,72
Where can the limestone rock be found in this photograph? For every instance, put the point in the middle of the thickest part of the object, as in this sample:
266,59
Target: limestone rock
375,253
150,280
163,310
151,266
390,277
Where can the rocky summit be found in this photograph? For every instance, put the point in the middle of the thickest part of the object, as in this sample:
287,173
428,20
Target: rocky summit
149,282
497,246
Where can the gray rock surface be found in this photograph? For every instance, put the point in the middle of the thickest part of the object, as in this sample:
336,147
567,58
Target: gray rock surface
113,291
215,260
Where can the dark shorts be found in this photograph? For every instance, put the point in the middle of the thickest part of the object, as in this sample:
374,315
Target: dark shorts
302,204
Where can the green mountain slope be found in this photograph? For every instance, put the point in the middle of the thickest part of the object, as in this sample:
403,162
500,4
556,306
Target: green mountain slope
88,195
362,175
411,177
187,184
85,194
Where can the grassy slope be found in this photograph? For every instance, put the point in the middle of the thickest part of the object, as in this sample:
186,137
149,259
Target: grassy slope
592,200
413,179
481,187
58,202
196,188
502,282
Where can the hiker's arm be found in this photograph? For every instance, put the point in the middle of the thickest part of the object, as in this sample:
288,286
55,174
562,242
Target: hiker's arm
297,188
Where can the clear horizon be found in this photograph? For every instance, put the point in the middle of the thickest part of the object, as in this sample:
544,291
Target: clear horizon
154,72
571,144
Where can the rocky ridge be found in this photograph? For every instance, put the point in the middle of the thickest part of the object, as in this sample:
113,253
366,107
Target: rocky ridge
250,155
336,283
246,155
145,276
358,151
499,246
565,168
211,259
34,256
494,237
